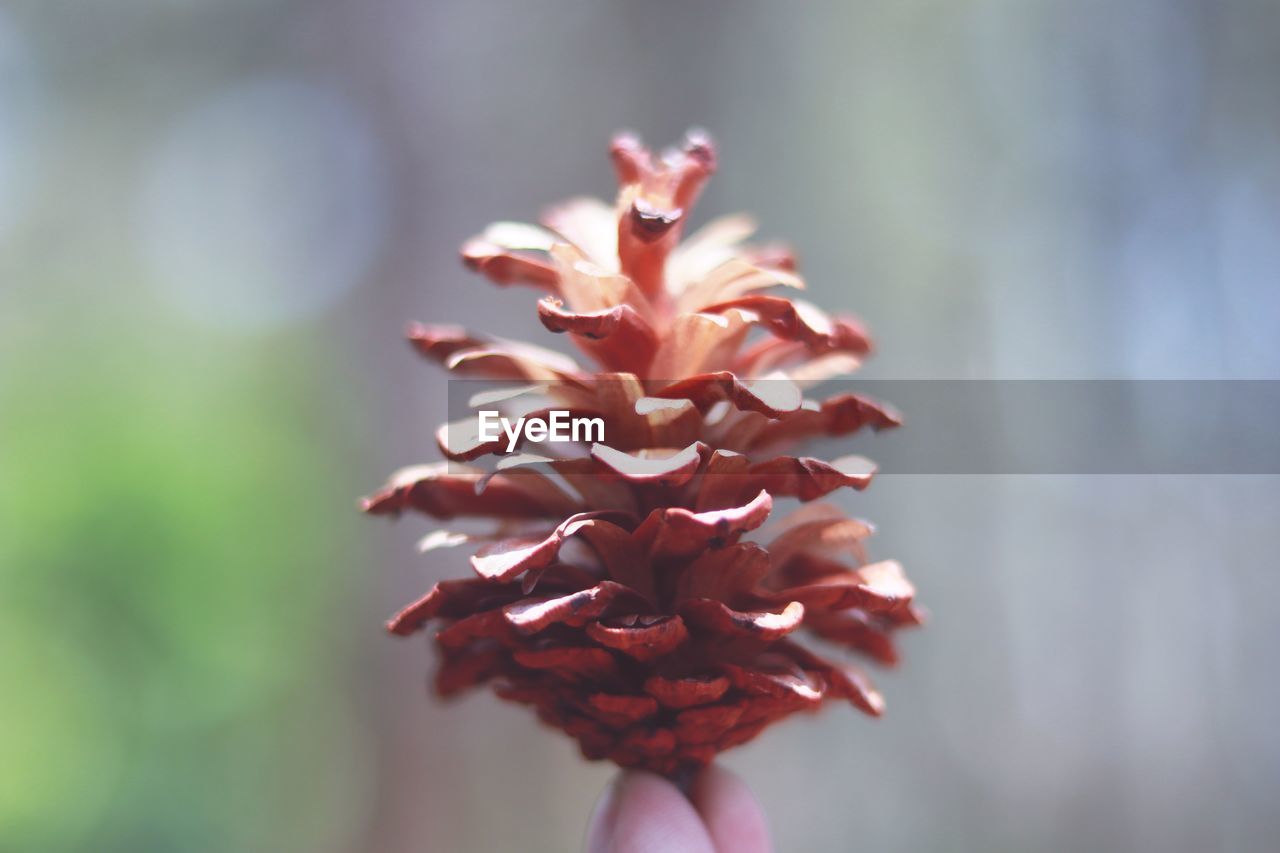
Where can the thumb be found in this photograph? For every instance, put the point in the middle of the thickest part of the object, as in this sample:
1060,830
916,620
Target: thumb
644,813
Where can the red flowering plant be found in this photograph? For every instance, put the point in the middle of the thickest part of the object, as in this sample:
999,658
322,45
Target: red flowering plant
629,589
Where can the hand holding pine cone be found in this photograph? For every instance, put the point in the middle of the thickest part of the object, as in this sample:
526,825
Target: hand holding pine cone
618,592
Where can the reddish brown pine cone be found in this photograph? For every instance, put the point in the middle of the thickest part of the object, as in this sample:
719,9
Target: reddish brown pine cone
629,590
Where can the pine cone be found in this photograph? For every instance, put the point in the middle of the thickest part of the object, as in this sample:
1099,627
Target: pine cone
618,593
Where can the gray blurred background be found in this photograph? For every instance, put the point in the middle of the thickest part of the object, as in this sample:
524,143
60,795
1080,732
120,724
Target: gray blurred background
217,217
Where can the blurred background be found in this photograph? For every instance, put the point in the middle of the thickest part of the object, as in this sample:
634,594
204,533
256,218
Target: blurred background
216,219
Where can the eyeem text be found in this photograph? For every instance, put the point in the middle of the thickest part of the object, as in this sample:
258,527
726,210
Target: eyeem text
558,426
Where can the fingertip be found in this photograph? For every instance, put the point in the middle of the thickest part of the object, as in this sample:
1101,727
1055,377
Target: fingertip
730,811
644,813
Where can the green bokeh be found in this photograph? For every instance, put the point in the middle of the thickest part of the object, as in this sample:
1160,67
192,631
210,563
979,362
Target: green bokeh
170,560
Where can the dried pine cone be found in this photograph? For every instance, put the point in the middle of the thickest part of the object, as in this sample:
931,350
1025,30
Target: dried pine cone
618,594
